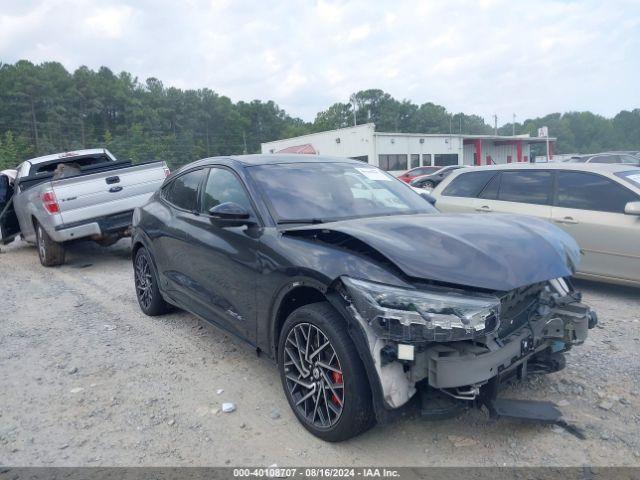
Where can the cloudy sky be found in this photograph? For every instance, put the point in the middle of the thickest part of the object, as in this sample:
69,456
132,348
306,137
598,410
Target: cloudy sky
485,56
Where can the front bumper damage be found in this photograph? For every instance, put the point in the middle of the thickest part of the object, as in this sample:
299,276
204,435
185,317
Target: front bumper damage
532,338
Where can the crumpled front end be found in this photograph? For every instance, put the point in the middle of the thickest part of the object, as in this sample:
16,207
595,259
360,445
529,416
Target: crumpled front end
457,341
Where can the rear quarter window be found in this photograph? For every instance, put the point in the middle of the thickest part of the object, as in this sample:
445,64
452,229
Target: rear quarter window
588,191
468,184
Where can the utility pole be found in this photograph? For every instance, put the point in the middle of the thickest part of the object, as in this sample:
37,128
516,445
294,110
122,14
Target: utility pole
353,101
513,126
495,124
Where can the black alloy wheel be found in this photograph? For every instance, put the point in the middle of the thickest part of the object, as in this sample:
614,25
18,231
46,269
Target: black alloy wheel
313,375
323,377
146,282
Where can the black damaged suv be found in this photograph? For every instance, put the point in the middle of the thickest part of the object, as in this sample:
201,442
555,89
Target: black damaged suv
360,290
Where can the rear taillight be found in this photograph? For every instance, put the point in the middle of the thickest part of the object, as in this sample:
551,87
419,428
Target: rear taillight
167,172
50,202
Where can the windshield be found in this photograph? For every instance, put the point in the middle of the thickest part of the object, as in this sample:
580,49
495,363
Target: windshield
631,176
322,192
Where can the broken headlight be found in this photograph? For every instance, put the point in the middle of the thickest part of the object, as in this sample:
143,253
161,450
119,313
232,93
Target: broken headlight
423,315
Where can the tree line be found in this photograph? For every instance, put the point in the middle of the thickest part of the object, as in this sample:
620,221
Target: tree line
46,109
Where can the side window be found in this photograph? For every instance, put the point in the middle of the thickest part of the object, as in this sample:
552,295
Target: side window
526,187
605,159
468,184
223,186
183,191
587,191
629,159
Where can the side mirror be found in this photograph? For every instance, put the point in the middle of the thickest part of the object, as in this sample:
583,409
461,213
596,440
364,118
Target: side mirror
230,214
632,208
429,198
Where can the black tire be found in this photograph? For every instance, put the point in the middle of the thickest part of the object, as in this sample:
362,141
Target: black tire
146,284
428,184
51,253
356,414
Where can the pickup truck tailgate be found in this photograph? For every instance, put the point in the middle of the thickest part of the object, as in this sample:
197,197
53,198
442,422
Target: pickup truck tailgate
96,195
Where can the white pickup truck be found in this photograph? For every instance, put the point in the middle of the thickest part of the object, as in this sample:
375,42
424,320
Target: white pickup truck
86,194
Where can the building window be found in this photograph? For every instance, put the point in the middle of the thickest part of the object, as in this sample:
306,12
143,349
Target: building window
444,159
415,160
362,158
392,162
426,159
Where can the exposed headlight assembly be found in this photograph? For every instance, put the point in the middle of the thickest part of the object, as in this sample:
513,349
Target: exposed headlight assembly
423,315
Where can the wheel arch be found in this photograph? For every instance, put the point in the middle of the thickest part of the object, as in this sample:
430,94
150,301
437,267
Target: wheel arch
293,295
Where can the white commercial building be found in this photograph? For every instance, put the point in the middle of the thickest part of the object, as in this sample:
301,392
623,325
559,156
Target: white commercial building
398,152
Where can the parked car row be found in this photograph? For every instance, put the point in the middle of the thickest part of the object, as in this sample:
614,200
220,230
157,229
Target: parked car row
360,290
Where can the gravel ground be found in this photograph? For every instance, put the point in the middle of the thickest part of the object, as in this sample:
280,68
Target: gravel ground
86,379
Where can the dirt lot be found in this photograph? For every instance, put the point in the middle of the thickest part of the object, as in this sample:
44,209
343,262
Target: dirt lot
86,379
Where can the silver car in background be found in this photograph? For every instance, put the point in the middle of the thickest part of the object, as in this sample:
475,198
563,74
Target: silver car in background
599,205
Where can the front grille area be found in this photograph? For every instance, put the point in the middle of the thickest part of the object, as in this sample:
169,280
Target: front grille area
516,306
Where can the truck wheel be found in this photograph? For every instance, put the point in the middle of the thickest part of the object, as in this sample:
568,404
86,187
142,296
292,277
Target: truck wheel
323,377
51,253
146,281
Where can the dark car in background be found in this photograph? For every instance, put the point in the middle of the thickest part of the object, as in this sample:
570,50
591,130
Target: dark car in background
433,180
358,288
417,172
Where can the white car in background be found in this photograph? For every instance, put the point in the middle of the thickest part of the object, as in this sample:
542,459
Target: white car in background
599,205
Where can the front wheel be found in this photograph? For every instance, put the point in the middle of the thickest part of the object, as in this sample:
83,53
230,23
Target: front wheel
428,184
51,253
323,377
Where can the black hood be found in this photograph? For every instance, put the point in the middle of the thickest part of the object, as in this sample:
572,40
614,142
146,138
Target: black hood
496,252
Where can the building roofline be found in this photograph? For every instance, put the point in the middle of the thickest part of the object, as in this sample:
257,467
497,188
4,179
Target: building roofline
370,125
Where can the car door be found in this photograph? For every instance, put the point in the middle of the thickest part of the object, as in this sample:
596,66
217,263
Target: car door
171,253
521,192
459,195
9,227
590,207
223,265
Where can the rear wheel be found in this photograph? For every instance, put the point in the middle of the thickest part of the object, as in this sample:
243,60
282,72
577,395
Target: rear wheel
323,377
428,184
51,253
146,282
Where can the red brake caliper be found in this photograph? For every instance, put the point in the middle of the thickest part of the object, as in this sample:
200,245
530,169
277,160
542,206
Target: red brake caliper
337,380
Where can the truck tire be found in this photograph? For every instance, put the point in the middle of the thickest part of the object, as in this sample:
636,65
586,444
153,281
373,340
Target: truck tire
51,253
328,390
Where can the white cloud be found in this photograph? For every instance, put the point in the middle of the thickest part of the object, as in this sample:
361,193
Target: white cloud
529,57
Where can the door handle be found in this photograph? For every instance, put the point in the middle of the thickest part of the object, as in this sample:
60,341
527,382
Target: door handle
484,208
567,220
115,189
112,180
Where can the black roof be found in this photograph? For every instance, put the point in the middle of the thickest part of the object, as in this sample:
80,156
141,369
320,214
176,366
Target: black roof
276,158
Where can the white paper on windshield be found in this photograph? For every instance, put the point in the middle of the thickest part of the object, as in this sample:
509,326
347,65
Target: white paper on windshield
374,174
635,178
